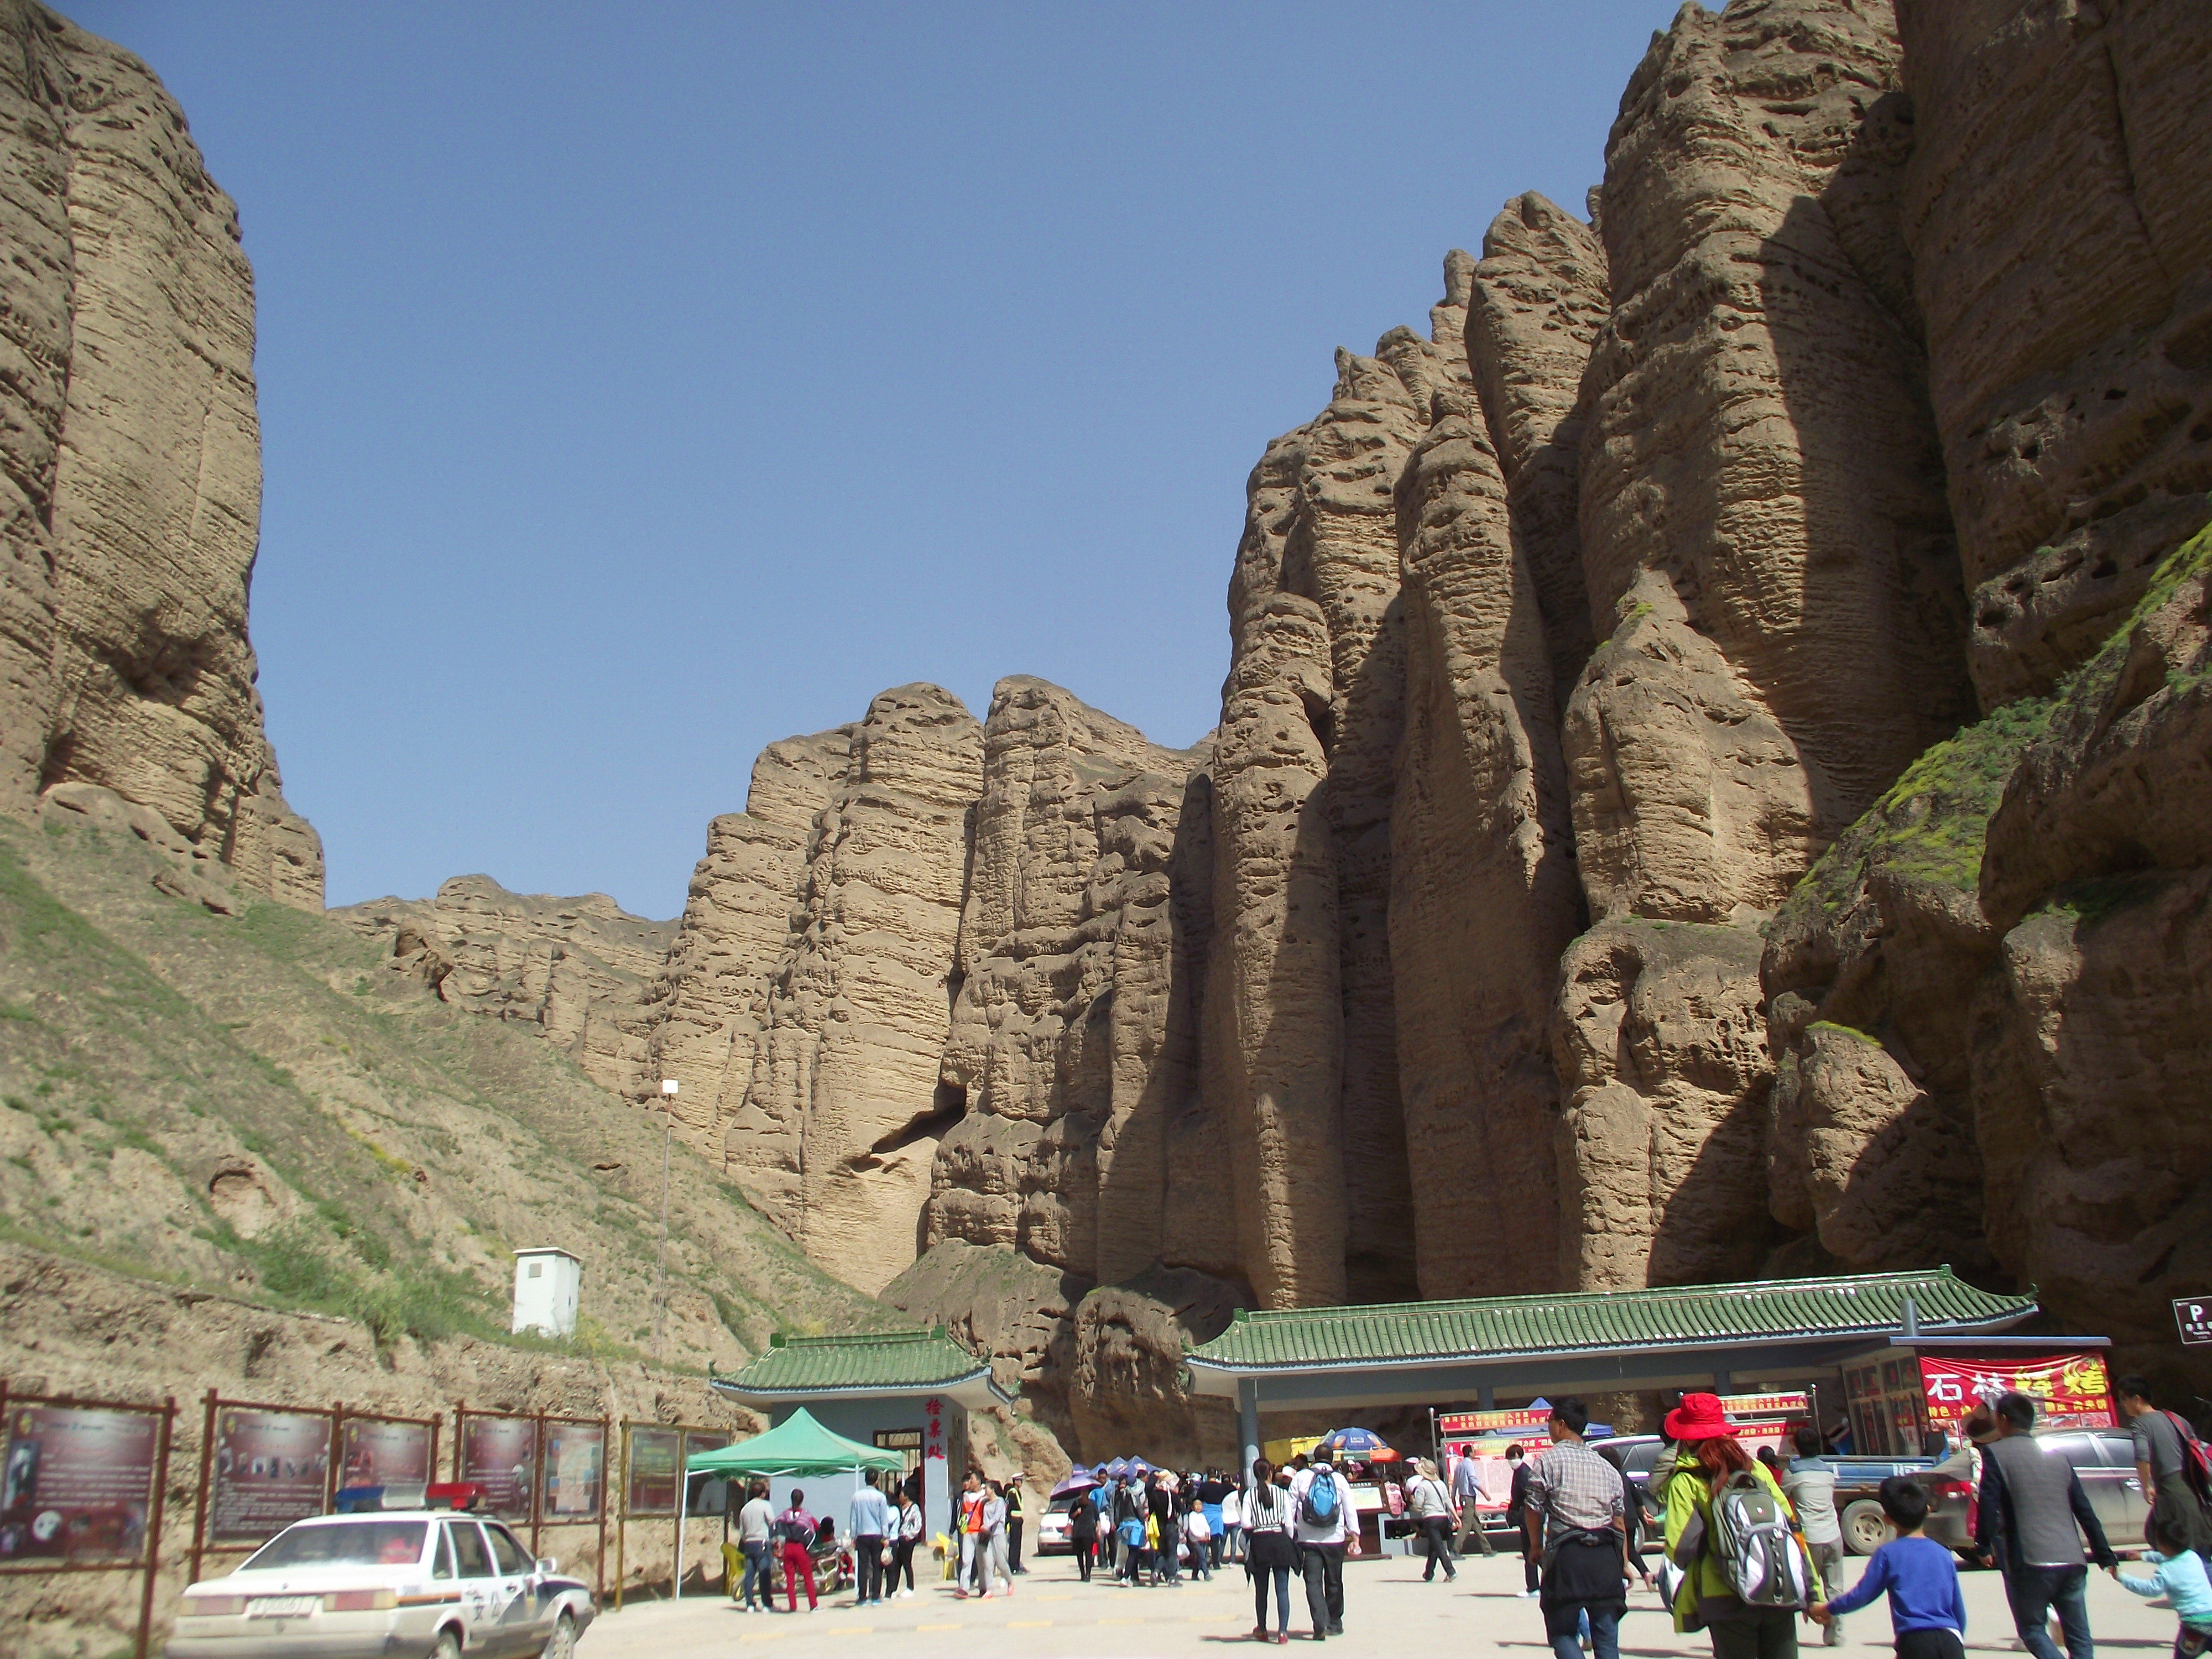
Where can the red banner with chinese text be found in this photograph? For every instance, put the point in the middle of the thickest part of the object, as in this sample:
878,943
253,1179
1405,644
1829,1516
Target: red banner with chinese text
2070,1391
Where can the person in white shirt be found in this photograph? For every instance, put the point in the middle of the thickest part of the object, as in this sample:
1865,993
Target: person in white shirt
1468,1496
1232,1523
1322,1525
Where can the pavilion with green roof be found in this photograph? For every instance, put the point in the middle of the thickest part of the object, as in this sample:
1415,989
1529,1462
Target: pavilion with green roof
1700,1336
907,1390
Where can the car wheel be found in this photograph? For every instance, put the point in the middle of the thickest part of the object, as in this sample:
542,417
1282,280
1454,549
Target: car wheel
1866,1529
561,1644
448,1645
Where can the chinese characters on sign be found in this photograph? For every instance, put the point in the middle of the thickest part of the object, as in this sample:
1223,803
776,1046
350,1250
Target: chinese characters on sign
2069,1389
76,1483
270,1469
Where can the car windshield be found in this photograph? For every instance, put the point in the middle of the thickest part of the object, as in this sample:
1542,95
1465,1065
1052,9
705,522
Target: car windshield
1061,1505
357,1544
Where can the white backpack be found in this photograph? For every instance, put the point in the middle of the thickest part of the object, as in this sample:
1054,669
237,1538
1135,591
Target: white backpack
1753,1539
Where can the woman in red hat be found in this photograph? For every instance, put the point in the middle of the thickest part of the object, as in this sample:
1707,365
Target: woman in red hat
1707,1453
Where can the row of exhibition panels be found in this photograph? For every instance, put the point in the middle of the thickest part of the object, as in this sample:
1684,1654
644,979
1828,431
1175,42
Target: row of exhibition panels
83,1481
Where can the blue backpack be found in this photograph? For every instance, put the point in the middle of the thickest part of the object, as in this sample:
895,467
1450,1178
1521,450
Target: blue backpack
1318,1507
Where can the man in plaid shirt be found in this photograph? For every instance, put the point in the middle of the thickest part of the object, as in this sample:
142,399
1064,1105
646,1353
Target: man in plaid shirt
1581,1535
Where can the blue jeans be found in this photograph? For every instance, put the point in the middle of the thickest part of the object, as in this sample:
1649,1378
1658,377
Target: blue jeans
2034,1591
1282,1577
756,1572
1564,1624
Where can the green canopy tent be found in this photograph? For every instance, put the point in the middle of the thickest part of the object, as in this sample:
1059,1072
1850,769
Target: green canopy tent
797,1447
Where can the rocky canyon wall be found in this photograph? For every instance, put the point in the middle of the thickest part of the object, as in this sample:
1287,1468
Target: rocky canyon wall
130,463
1704,764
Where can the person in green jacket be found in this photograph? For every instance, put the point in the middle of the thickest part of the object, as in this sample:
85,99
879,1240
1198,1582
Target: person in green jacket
1708,1454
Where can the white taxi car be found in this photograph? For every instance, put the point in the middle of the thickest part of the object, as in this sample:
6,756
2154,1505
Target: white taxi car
432,1584
1054,1532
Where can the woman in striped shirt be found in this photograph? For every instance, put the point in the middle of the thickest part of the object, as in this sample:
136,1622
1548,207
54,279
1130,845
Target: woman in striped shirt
1268,1553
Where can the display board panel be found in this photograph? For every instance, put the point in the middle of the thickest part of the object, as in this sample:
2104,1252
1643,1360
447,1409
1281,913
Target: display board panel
500,1453
270,1468
78,1483
573,1470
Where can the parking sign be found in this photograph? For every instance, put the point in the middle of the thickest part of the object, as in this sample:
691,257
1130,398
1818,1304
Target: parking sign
2193,1314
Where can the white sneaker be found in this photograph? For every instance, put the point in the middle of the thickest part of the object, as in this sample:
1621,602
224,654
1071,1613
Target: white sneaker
904,1594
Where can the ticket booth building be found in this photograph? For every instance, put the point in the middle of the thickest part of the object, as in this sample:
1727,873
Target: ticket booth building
908,1391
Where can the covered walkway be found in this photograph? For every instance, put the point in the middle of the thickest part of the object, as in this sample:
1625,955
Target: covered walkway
1722,1337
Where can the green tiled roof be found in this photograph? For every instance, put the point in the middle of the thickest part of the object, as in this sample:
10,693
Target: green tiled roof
917,1359
1868,1303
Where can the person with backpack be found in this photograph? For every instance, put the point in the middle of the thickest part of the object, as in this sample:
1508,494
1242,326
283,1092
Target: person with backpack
1326,1528
1746,1574
1577,1522
2033,1518
1270,1551
1432,1509
2181,1578
795,1530
2172,1464
1517,1515
1927,1613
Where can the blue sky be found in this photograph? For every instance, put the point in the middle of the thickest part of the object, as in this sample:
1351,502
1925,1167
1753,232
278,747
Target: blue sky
642,383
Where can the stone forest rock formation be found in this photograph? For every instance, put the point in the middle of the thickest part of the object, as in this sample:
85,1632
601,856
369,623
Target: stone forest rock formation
1584,885
1711,779
130,463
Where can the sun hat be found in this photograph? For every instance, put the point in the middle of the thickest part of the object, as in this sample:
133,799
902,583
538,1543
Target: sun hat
1698,1417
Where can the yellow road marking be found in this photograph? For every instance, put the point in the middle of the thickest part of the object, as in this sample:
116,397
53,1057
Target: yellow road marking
1028,1624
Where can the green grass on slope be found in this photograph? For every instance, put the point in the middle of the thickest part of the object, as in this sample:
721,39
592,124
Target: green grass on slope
146,1045
1932,823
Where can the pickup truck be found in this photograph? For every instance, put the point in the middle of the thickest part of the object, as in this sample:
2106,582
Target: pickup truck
2103,1459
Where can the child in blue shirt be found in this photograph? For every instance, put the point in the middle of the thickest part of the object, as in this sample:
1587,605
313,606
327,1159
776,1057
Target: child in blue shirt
2181,1578
1927,1614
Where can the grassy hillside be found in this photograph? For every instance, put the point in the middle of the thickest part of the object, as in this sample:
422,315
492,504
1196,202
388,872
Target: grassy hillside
257,1104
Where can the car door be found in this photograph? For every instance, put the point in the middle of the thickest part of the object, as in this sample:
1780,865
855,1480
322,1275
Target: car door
2104,1485
2127,1520
478,1581
523,1624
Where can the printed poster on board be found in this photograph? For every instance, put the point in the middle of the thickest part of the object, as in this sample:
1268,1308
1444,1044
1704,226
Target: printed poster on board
2070,1391
76,1483
653,1471
573,1464
500,1455
270,1469
374,1452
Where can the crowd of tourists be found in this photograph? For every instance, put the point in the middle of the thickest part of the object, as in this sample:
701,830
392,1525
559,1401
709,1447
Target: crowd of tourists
1748,1545
1753,1543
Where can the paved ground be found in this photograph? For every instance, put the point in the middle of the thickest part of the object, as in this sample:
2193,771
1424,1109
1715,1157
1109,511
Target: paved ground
1388,1611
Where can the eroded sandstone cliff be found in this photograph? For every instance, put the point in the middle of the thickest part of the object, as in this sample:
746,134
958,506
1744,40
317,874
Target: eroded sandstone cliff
1681,808
130,462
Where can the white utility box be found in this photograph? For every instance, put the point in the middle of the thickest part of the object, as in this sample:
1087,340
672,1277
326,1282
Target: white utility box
547,1283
